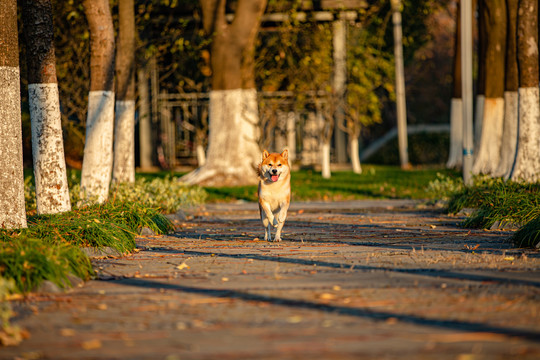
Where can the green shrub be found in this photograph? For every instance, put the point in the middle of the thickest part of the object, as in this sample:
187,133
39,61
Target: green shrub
9,334
528,235
496,200
30,261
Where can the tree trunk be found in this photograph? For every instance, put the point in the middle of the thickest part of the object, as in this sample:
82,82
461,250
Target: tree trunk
145,128
355,155
98,147
487,159
339,42
400,86
325,160
481,79
124,130
52,192
233,152
455,158
12,210
526,165
511,85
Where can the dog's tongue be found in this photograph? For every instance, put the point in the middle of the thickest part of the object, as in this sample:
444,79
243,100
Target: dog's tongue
275,177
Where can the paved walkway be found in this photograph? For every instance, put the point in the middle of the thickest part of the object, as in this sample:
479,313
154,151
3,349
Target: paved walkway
362,279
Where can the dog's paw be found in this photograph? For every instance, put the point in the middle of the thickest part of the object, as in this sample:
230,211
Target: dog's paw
275,222
278,239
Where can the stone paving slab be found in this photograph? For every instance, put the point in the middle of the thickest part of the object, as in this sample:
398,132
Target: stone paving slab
360,279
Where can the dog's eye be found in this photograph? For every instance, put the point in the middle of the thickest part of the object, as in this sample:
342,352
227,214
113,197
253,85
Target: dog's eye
279,164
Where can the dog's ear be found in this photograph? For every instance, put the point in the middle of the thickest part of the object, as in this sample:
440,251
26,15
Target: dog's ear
285,154
265,154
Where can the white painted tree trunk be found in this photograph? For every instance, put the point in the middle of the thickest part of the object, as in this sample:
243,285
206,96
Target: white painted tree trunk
233,153
510,134
355,156
455,157
201,155
124,142
489,149
52,191
12,209
526,166
98,147
478,120
325,158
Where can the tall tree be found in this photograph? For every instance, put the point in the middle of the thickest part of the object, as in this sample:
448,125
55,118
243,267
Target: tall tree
52,192
12,211
233,152
487,156
527,161
98,147
124,131
511,85
455,158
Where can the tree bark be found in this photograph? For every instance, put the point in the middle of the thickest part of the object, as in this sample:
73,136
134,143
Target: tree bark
526,165
355,155
98,147
455,158
52,192
233,152
124,131
145,128
511,85
12,207
487,159
481,79
339,84
401,107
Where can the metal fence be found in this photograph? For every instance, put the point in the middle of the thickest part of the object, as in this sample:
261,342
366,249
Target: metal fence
286,120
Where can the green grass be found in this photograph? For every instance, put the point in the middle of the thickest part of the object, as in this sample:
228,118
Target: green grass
50,248
29,261
497,201
376,182
528,235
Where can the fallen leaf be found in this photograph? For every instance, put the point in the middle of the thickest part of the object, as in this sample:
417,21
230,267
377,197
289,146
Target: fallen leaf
102,306
509,258
300,212
67,332
183,266
327,296
295,319
91,344
224,279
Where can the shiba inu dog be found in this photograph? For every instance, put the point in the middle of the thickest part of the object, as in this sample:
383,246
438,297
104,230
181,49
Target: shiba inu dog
274,191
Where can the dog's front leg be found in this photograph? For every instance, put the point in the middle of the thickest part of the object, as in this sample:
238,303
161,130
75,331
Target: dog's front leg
282,215
267,227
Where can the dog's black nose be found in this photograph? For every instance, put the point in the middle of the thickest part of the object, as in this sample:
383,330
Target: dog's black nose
274,171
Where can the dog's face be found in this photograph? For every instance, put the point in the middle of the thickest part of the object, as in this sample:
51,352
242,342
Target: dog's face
274,166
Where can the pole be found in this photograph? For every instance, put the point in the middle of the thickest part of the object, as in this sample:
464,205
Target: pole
401,106
467,89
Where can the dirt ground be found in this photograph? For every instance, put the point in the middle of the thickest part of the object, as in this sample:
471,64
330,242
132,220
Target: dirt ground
351,280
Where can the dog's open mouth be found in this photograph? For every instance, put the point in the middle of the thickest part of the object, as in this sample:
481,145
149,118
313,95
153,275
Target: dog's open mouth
274,178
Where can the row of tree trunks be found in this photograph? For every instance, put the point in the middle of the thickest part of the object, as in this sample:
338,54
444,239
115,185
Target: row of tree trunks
12,207
507,130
